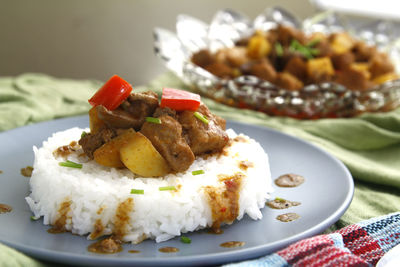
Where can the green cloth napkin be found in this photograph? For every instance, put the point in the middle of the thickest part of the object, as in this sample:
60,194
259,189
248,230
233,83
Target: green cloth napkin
369,145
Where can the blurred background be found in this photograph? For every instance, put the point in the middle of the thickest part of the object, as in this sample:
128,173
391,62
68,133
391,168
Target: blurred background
93,39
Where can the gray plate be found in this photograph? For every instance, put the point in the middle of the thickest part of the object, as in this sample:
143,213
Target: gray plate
325,195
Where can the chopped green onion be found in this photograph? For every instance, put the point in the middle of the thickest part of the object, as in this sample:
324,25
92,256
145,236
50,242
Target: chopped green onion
201,117
70,164
314,51
166,188
153,120
280,199
279,49
197,172
33,218
137,191
313,42
296,46
83,134
186,240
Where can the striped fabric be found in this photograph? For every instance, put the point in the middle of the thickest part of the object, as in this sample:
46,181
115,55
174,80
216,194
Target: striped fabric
361,244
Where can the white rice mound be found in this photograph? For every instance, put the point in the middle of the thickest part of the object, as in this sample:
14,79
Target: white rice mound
96,191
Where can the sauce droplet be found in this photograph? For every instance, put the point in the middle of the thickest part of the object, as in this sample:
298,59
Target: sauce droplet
4,208
134,251
106,246
168,250
289,180
216,231
27,171
1,171
280,203
232,244
288,217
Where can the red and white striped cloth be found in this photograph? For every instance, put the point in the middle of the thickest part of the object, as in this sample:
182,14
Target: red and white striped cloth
360,244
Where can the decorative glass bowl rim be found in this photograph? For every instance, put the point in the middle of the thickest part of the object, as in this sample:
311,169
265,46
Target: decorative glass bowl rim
313,101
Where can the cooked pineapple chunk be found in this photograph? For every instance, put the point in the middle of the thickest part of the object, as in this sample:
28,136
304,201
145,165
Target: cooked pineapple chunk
341,43
95,123
258,47
362,67
318,68
385,77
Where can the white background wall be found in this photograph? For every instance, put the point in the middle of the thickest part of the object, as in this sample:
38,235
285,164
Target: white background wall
98,38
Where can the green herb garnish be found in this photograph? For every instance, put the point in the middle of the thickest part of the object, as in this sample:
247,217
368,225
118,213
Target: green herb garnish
166,188
33,218
153,120
306,51
279,49
280,199
83,134
70,164
201,117
137,191
313,42
186,240
197,172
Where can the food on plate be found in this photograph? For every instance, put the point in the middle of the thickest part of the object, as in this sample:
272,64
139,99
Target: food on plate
290,59
147,169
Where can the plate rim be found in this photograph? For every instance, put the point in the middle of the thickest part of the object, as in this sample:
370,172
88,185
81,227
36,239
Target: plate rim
211,258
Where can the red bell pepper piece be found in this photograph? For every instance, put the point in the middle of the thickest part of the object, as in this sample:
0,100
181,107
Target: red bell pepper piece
179,100
112,93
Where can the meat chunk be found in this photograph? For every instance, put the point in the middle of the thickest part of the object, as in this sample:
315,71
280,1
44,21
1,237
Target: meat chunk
297,67
117,118
91,142
287,34
380,64
164,111
353,79
343,61
221,70
201,137
264,70
167,139
139,106
203,58
289,81
363,52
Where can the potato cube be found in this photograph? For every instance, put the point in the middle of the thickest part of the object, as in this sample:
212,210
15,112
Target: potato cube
108,154
140,157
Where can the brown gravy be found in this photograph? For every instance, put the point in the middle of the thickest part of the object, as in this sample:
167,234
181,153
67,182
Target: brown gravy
288,217
217,231
108,245
225,203
280,203
244,165
64,151
232,244
169,250
27,171
289,180
4,208
122,217
59,224
98,229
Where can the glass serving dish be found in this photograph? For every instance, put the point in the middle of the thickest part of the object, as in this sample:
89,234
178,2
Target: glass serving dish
323,100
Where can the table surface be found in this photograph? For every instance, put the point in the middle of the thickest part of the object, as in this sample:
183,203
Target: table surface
96,39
